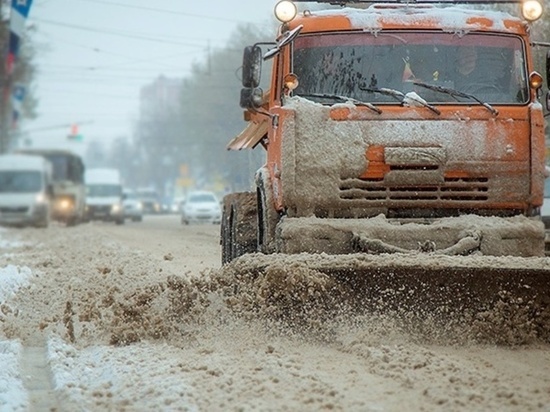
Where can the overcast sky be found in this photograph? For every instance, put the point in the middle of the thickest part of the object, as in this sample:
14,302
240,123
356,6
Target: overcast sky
95,55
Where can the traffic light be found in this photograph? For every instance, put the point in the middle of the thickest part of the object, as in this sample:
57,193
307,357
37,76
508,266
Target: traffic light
74,135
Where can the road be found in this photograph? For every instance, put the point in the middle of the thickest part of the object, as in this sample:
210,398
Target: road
139,317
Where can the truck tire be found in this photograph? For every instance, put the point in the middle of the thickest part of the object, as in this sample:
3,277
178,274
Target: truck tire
239,225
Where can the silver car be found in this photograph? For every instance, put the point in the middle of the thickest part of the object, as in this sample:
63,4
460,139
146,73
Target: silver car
201,206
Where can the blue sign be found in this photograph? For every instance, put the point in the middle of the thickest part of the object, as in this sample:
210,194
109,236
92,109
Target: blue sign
22,6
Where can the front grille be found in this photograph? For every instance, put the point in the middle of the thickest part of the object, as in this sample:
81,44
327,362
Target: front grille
100,209
451,189
14,209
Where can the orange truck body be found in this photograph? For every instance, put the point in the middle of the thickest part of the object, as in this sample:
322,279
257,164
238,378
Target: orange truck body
445,159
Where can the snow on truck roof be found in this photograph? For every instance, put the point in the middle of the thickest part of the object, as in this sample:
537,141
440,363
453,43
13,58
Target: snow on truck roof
425,16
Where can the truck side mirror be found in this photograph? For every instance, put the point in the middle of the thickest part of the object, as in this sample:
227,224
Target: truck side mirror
251,98
252,66
285,39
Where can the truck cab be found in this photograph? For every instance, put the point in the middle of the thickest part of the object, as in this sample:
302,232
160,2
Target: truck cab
385,116
25,190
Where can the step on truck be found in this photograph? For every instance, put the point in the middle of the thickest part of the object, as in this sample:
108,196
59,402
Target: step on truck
404,145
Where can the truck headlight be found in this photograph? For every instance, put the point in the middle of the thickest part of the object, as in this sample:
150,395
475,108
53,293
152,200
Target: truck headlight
285,11
531,10
116,208
65,204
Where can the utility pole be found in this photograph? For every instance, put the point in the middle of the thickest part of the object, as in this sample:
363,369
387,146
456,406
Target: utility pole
5,85
11,34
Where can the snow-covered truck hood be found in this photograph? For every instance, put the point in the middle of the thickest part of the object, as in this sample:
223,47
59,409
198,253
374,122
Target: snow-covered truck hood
341,156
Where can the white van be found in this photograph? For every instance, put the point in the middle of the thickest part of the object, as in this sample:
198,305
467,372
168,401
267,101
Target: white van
25,190
104,195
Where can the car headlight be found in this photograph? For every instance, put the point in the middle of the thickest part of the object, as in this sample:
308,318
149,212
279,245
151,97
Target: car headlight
116,208
41,198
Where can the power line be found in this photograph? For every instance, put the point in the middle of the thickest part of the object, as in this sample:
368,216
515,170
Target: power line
157,39
200,43
172,12
110,96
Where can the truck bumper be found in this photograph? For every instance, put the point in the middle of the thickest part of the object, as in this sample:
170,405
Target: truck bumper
496,236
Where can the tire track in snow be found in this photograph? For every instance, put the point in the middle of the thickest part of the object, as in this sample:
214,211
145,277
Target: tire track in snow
37,378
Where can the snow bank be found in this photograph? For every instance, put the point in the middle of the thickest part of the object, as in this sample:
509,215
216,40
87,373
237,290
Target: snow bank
9,243
11,279
13,396
100,377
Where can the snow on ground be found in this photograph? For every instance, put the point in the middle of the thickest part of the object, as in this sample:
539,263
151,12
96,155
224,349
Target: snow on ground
12,278
113,318
13,396
99,376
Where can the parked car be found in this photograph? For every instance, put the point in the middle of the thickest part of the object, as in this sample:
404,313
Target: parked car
201,206
133,209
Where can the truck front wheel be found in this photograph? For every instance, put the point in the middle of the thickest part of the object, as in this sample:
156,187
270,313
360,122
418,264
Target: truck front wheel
239,225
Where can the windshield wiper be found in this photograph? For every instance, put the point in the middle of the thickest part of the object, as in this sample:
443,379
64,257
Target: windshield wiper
396,94
400,96
343,99
456,93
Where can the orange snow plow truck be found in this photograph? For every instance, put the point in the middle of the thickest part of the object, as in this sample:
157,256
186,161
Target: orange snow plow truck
404,143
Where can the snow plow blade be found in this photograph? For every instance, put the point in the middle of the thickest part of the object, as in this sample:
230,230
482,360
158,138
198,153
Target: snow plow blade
510,291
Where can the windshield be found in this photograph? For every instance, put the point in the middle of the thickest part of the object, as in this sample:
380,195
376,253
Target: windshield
66,167
358,65
103,190
202,198
148,195
20,182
